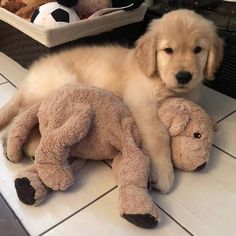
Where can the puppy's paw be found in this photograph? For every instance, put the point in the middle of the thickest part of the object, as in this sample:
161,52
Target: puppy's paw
162,179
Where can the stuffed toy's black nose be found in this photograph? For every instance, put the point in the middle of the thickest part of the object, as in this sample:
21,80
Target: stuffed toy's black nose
201,167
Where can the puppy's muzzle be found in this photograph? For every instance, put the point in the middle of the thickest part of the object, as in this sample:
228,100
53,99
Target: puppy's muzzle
183,77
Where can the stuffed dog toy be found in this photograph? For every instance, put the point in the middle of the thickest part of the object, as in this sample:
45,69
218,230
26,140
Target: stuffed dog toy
191,133
23,8
89,123
190,128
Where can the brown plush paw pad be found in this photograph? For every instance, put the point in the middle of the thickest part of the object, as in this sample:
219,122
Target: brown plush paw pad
25,191
142,220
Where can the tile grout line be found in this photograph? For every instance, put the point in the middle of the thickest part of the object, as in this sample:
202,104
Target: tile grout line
8,80
225,116
185,229
68,217
46,231
14,214
163,210
106,163
224,151
4,83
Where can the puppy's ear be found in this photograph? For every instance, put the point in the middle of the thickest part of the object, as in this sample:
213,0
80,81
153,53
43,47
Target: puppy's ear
145,53
215,56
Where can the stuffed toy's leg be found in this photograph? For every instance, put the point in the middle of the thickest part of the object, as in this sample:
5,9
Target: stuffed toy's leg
31,190
53,151
136,205
19,132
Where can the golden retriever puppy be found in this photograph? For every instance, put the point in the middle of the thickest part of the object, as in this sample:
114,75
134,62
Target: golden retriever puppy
176,53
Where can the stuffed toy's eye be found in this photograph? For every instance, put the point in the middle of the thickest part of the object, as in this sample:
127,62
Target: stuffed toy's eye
197,135
197,50
168,50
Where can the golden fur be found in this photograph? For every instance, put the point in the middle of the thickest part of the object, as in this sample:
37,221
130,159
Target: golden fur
142,77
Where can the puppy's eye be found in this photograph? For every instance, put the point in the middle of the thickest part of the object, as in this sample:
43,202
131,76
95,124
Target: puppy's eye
197,50
197,135
168,50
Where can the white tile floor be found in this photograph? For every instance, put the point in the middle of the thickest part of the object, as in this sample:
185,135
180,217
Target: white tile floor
201,204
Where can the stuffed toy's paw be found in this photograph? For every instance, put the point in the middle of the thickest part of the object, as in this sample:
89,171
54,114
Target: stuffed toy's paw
142,212
29,188
56,177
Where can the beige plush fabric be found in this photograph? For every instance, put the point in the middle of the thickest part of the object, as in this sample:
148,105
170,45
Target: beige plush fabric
191,131
89,123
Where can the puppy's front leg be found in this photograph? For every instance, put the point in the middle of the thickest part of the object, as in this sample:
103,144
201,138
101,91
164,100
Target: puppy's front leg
156,141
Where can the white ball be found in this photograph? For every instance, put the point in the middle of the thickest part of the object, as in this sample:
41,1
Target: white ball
51,15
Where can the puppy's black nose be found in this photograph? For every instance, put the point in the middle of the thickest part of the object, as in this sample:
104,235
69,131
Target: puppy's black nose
201,167
183,77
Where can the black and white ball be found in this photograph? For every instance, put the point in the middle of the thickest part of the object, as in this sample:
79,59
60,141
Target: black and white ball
52,14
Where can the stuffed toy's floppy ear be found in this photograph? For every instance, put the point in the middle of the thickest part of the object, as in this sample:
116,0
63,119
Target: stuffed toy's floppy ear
145,53
179,123
215,56
174,117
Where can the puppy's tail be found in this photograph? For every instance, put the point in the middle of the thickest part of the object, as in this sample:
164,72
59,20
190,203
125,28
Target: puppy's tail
10,110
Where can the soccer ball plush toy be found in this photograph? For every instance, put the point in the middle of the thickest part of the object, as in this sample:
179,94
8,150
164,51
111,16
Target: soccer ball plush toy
53,14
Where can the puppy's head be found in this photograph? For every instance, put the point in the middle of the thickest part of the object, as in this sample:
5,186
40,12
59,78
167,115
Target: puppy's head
182,47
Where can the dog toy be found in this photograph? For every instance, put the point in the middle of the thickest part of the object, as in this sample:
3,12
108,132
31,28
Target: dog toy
191,133
86,8
91,123
12,5
23,8
53,14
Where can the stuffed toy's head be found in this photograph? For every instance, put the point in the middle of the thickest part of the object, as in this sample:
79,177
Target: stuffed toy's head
191,131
